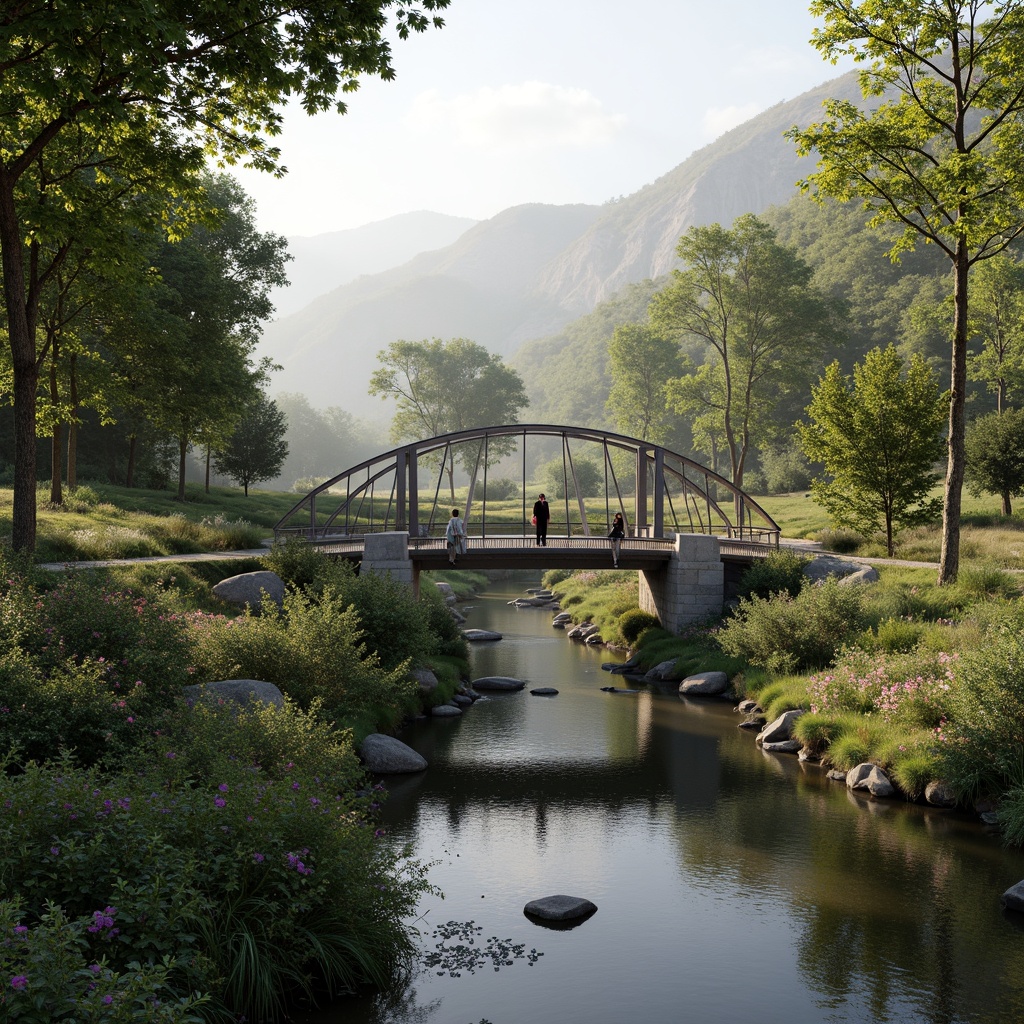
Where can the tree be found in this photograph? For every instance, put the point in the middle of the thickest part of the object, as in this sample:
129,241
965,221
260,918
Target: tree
642,364
879,437
117,87
750,302
559,475
995,455
938,154
997,321
441,387
257,447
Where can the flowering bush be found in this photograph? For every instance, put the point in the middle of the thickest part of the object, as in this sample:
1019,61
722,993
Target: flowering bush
909,690
46,975
241,845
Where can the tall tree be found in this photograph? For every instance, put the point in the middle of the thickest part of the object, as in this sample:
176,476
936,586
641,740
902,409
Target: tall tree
995,456
751,304
642,362
444,386
938,153
257,447
879,436
157,84
997,323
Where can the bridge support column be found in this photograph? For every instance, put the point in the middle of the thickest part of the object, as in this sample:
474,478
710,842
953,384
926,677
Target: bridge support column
690,587
387,554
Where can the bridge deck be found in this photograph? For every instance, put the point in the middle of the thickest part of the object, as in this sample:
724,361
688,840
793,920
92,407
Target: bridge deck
518,552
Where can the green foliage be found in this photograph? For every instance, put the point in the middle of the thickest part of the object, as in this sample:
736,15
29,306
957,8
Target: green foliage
502,489
981,581
313,650
782,695
633,623
761,326
50,977
559,482
995,455
879,437
298,563
780,572
256,449
642,362
981,747
785,633
898,635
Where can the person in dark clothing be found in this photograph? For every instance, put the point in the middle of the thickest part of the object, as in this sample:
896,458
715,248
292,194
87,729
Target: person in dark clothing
541,515
618,531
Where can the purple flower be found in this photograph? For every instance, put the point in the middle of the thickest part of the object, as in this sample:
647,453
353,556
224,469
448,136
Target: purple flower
95,968
295,785
258,857
220,802
55,850
170,754
108,999
18,982
21,930
223,787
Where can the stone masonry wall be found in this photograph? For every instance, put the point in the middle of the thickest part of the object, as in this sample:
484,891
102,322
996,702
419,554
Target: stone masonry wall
388,554
690,587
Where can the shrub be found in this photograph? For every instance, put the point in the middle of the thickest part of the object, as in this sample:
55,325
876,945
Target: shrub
781,572
782,695
786,633
897,635
633,623
983,581
502,489
48,977
297,562
843,542
981,745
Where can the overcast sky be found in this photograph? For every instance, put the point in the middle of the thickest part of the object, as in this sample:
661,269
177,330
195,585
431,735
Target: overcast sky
551,101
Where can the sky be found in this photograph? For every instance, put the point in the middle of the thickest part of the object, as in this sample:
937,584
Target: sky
537,101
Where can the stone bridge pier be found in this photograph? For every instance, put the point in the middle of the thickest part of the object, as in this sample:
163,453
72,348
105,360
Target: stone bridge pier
387,554
690,587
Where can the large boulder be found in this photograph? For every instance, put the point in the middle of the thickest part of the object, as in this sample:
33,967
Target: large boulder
445,590
823,566
498,683
560,908
236,691
867,574
708,684
385,755
781,729
870,777
582,631
248,588
446,711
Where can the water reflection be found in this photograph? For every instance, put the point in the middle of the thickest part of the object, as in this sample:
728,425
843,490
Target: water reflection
729,883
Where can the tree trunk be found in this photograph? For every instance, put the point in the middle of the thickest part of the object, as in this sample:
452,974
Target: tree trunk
56,438
130,475
73,427
1007,510
208,470
949,564
182,452
21,331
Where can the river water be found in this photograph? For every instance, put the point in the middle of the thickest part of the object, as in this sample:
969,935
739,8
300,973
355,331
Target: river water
731,884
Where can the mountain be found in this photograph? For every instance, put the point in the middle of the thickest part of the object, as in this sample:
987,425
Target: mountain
531,270
323,262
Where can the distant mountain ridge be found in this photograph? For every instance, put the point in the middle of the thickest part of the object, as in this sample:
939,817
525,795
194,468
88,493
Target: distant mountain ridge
530,270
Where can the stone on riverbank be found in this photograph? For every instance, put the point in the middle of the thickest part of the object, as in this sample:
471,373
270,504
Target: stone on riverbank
445,711
560,908
1013,898
823,566
870,777
446,591
248,588
545,691
425,679
238,691
665,672
782,747
582,631
476,635
498,683
781,729
707,684
385,755
940,794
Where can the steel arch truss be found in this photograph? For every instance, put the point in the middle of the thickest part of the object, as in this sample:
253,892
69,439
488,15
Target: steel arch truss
665,492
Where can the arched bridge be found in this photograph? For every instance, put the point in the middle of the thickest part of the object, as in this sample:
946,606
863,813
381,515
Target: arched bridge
391,511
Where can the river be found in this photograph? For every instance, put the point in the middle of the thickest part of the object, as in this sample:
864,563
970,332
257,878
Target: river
731,884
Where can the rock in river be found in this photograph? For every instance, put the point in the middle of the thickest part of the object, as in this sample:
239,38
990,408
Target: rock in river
560,908
498,683
385,755
474,635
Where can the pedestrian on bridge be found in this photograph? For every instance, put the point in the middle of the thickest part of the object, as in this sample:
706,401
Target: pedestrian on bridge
455,536
618,531
541,515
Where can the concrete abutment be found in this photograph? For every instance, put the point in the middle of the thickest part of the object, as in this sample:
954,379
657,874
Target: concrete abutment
690,587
